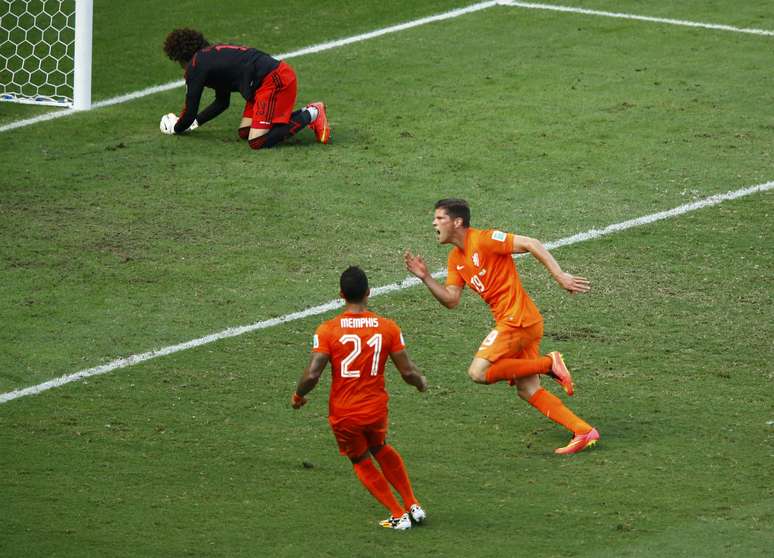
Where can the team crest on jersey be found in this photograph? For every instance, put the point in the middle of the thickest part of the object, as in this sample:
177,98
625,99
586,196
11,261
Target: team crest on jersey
476,260
498,236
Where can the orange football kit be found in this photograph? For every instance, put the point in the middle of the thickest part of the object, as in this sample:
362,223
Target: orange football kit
358,345
486,265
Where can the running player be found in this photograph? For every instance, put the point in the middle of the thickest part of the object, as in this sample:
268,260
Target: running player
268,86
483,260
357,343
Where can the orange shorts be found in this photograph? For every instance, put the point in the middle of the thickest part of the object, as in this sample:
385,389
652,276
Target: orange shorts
507,341
354,437
273,101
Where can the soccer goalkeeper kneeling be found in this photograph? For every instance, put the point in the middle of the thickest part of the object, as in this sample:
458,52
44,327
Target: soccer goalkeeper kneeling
268,86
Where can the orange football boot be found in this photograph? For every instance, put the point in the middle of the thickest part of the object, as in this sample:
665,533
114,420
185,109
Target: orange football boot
579,442
320,126
560,373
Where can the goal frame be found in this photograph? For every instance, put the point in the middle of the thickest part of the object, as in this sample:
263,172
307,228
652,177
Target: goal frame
84,22
80,73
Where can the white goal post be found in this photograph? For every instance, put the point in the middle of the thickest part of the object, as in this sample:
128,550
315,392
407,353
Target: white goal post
45,52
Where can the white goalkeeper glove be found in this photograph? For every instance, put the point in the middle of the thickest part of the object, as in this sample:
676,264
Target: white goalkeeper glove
168,121
167,124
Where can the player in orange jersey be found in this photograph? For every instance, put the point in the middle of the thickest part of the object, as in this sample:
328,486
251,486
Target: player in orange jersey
483,260
357,343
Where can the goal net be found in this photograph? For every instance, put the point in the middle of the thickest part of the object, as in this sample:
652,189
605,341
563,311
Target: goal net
44,45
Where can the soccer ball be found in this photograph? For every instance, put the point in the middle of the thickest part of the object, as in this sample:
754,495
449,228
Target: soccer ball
167,124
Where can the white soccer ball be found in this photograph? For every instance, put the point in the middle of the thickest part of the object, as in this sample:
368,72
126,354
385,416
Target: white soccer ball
167,124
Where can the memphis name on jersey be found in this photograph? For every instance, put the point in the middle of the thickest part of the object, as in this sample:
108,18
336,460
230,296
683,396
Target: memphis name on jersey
359,322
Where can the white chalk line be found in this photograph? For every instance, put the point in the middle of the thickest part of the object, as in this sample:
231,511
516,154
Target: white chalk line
668,21
284,56
378,291
384,31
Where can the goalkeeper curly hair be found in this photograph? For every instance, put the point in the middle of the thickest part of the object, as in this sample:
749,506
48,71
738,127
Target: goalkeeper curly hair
181,44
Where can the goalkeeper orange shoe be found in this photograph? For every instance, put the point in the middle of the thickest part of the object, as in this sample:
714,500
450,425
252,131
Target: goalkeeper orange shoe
320,126
560,373
579,442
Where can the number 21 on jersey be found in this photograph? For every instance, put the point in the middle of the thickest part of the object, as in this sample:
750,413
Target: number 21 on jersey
375,342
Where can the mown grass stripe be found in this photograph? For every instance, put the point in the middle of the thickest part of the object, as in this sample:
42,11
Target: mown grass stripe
385,289
284,56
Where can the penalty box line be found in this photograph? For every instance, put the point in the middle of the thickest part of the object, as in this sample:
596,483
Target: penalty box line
591,234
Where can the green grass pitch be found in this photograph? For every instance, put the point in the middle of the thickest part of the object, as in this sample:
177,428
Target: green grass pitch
116,240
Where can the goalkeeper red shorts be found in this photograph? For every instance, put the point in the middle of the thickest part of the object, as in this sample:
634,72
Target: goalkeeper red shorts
273,101
355,437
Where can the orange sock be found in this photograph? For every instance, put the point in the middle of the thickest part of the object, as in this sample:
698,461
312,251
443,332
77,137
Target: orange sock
395,470
512,368
552,407
377,485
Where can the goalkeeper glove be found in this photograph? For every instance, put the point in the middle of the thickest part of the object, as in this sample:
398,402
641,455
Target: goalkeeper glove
168,121
298,401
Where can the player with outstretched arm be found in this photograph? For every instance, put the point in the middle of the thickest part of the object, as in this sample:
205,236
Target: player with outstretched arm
357,343
483,260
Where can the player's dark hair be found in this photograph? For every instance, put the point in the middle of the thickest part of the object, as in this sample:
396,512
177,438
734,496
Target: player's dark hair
181,44
354,284
455,208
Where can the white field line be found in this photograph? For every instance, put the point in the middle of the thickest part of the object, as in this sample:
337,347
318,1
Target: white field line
574,10
284,56
392,287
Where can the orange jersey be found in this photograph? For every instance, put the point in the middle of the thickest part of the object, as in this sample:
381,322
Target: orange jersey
358,345
487,265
